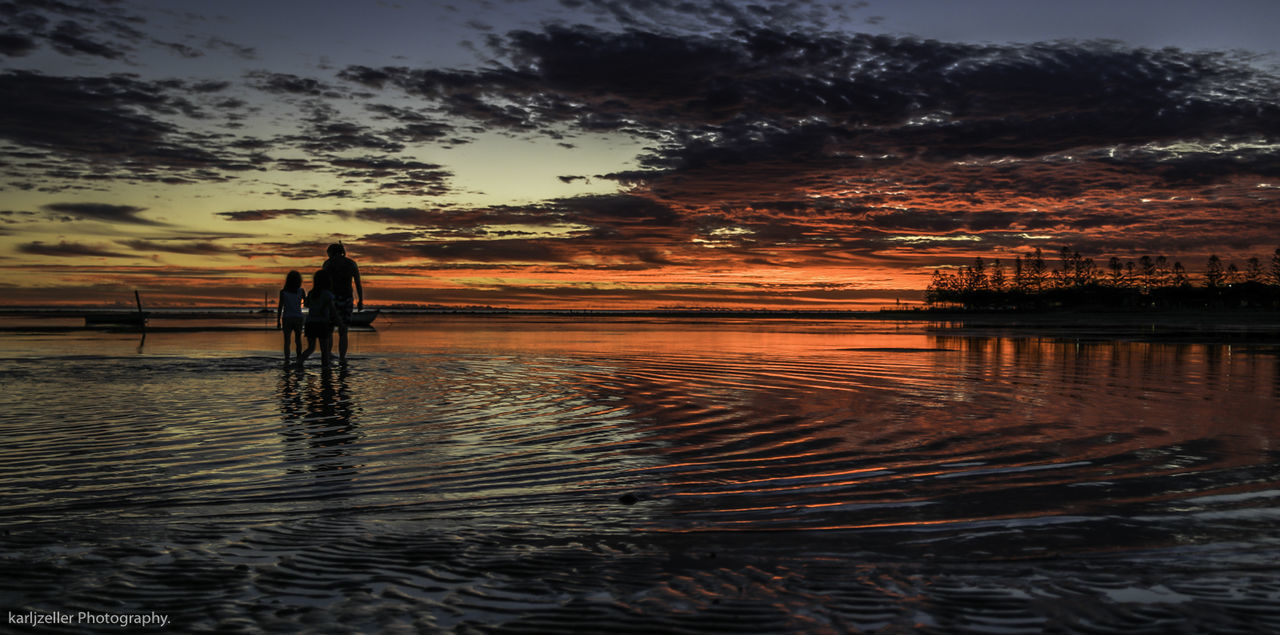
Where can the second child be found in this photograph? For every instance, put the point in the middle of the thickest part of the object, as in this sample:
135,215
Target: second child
322,315
289,317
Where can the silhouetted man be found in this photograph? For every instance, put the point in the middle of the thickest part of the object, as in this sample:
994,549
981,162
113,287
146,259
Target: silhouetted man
343,272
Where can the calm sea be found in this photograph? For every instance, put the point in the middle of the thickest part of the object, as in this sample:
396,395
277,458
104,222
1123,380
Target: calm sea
480,473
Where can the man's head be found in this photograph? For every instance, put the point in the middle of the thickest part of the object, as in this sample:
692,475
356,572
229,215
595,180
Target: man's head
336,249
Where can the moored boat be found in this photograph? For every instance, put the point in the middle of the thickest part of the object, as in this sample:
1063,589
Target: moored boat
363,318
129,318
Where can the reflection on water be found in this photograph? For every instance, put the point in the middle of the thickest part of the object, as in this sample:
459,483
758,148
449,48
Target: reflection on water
785,476
317,411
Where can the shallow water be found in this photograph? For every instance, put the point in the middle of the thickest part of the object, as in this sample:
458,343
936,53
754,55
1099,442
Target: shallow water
475,474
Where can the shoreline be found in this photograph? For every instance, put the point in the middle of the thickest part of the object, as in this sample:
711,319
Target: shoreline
914,314
1224,326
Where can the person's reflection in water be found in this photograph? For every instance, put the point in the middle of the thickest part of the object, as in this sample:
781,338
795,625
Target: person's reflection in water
318,430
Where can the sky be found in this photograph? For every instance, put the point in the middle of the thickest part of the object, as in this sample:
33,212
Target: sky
622,153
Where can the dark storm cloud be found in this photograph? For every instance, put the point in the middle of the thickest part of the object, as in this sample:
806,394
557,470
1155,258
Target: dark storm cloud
70,249
127,214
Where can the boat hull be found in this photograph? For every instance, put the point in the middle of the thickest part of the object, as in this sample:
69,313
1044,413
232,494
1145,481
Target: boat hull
363,318
132,318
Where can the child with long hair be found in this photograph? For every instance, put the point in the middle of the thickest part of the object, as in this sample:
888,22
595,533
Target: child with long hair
289,317
322,315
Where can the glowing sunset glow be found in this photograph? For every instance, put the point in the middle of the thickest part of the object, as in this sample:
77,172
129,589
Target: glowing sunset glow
587,154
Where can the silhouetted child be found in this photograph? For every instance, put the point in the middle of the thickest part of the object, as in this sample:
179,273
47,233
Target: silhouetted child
289,316
322,315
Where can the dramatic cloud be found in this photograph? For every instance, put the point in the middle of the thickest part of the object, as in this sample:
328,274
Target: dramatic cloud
181,247
268,214
790,137
127,214
70,250
113,127
764,142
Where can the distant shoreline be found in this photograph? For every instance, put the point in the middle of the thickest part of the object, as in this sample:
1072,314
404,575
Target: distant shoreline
918,310
1061,317
1251,328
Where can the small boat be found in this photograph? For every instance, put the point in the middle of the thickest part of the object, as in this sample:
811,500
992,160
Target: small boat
363,318
130,318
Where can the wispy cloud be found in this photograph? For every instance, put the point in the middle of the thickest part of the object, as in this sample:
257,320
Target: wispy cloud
126,214
71,249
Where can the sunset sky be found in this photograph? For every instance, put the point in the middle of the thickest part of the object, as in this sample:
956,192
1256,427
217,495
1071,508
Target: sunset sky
622,153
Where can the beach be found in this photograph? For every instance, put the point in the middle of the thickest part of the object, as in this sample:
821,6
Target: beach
648,473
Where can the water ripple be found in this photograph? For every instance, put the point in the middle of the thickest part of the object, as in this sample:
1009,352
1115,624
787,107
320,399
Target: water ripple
913,482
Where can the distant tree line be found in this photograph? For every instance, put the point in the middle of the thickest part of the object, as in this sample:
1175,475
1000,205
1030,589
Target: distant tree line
1079,282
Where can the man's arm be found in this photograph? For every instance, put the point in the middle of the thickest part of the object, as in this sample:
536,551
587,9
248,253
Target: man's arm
355,277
